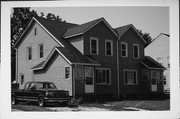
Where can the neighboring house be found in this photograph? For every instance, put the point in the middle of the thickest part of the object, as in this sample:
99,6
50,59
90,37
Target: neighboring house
92,58
159,51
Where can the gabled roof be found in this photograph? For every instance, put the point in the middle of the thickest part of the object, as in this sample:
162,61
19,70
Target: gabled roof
121,30
81,29
54,28
71,56
150,63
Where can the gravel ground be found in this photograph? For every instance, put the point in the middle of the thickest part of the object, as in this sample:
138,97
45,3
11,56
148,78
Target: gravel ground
79,108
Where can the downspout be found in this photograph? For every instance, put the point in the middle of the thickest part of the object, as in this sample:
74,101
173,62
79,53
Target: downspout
73,82
118,68
16,75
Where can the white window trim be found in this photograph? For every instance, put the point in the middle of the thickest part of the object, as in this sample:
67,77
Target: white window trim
65,72
142,74
138,51
97,45
111,47
136,76
126,49
20,74
39,50
27,53
109,76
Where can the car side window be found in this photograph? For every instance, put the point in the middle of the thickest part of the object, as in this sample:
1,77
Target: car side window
26,86
32,86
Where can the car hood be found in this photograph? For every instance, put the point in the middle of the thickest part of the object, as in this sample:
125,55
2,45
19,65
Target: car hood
52,90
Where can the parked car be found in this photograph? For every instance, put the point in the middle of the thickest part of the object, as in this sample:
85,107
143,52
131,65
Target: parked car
40,92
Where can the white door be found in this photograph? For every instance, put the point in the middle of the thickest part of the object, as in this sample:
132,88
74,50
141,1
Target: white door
155,76
89,80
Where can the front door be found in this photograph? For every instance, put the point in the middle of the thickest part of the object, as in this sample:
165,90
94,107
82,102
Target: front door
89,80
155,76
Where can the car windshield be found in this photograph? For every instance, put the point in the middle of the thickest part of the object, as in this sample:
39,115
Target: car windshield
45,86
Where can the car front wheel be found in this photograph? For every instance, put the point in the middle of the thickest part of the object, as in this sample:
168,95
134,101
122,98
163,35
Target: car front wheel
41,101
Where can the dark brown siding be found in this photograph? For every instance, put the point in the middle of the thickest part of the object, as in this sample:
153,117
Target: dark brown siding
102,32
130,37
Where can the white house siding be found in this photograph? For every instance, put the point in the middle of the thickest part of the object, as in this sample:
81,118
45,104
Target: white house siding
159,48
42,37
56,73
78,43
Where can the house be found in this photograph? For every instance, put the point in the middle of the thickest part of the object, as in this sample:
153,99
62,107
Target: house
159,51
87,59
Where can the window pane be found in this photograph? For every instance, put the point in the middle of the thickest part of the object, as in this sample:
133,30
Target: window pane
123,49
29,53
40,51
136,52
145,75
67,72
130,77
93,46
108,48
102,76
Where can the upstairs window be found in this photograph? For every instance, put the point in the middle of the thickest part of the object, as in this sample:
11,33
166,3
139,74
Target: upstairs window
41,51
35,31
108,48
124,49
29,53
94,46
136,51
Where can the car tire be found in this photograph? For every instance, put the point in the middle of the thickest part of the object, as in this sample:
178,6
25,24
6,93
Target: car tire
13,100
41,101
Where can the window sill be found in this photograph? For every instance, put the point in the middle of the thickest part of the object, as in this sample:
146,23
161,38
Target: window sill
103,83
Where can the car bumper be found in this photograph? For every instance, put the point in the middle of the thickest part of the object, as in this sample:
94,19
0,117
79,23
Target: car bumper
57,99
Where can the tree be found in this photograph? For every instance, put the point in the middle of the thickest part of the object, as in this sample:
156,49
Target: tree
146,36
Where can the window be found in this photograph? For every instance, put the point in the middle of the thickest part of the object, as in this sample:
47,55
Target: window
124,49
41,49
159,60
94,46
29,52
67,72
21,79
136,51
108,48
103,76
130,77
164,77
35,31
145,75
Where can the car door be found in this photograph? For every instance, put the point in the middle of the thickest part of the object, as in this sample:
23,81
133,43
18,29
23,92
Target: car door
30,93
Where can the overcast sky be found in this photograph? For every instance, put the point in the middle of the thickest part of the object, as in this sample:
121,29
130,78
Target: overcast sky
153,20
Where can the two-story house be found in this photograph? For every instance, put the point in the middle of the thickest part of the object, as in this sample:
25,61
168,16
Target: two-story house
159,51
91,58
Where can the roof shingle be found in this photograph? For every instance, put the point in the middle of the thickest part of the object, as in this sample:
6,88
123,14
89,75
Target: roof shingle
151,63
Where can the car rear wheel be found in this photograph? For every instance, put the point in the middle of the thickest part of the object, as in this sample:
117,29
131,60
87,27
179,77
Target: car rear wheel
41,101
13,100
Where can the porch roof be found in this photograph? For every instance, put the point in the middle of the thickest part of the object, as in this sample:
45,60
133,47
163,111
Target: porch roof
150,63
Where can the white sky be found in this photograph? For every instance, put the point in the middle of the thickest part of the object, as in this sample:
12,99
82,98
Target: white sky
153,20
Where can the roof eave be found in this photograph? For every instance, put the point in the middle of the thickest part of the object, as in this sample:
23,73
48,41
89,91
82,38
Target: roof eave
152,67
